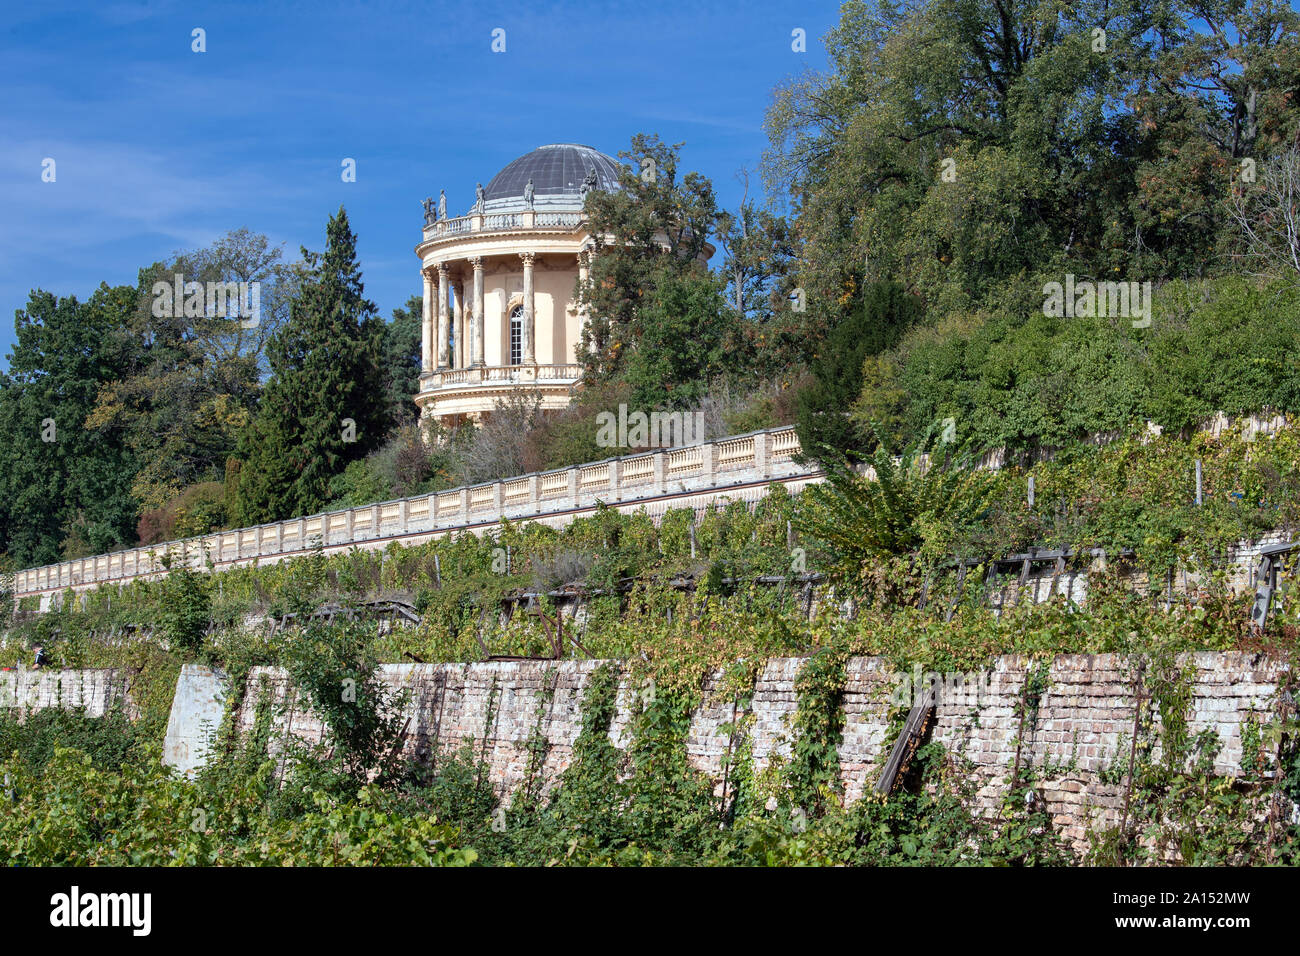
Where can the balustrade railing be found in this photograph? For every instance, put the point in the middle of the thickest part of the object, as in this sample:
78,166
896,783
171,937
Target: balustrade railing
491,374
646,475
502,221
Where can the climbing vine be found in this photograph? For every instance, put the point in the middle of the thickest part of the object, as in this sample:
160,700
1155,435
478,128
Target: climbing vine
813,774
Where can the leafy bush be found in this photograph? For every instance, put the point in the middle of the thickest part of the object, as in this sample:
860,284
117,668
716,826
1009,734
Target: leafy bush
106,740
198,510
1025,381
335,668
186,608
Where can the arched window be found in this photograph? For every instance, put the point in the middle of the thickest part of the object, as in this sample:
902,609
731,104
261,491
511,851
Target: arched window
517,335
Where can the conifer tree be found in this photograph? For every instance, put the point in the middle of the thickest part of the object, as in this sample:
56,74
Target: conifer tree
64,492
324,404
873,324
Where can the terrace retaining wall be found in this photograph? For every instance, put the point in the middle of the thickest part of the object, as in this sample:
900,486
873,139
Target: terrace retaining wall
1084,720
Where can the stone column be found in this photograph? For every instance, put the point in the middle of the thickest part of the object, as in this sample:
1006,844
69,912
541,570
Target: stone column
477,335
426,326
763,454
530,357
461,357
441,313
616,478
583,331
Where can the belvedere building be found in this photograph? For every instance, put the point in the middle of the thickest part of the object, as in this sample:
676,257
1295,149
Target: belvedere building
500,284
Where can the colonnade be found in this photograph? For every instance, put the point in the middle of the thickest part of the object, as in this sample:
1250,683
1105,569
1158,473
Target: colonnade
449,338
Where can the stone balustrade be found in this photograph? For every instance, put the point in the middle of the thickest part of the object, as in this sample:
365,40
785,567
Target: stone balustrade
737,468
501,222
495,374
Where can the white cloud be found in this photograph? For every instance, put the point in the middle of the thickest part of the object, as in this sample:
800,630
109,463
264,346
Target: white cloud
105,191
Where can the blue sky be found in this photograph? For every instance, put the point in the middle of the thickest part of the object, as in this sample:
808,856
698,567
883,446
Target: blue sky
158,148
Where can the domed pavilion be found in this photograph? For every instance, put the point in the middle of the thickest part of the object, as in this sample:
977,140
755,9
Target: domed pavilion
499,285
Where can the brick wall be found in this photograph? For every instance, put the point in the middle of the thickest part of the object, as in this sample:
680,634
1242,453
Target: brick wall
1084,721
94,692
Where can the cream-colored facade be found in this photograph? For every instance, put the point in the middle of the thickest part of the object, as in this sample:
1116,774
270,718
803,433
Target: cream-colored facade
500,283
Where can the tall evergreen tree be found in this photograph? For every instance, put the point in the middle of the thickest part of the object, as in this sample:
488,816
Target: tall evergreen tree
64,491
402,361
874,324
324,404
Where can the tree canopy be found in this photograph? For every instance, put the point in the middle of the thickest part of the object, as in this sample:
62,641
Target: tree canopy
324,403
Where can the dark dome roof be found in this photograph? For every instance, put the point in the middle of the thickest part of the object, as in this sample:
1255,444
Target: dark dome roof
556,170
